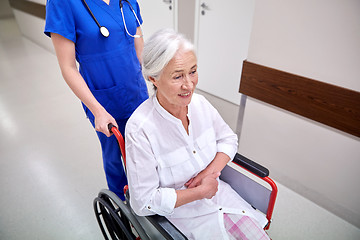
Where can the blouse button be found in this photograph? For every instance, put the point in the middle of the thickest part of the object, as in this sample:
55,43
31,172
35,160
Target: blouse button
243,211
149,207
194,152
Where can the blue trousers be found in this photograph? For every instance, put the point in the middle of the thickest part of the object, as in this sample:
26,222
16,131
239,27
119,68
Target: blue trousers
115,174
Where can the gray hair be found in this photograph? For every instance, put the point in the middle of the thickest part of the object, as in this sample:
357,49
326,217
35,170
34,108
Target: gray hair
160,48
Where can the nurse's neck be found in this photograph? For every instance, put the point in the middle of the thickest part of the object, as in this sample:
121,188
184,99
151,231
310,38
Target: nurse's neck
107,1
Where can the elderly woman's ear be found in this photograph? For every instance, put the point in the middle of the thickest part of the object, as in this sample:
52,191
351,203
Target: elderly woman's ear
153,80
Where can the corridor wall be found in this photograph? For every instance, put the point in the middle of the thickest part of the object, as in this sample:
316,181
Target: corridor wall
318,40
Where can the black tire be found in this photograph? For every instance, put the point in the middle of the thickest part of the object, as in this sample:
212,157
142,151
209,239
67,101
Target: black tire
111,217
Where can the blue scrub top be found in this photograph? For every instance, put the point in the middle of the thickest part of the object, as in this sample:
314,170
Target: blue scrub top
109,66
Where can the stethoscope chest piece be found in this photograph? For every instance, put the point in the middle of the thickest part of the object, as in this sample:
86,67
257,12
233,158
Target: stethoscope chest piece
104,31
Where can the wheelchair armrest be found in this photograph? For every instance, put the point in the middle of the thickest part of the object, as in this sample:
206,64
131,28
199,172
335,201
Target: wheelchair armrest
162,224
251,166
257,195
165,227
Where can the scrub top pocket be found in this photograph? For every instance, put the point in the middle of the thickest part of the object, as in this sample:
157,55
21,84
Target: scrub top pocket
114,100
121,89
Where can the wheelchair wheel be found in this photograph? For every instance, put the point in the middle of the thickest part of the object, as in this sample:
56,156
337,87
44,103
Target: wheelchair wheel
115,218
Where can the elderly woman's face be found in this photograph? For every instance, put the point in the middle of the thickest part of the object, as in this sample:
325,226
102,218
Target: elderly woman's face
177,81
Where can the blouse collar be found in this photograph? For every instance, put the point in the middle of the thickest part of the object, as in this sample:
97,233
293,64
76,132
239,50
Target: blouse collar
165,113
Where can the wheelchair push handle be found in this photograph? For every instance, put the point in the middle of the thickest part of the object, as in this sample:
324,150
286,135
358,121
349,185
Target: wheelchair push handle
113,129
110,127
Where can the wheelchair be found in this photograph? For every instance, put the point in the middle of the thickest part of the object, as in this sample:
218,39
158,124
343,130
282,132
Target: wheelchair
117,220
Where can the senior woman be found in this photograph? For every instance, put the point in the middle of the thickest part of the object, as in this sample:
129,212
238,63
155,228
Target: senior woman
177,144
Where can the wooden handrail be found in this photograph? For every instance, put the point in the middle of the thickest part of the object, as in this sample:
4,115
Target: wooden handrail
29,7
334,106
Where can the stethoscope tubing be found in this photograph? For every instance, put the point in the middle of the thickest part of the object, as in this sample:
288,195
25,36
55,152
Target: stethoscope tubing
92,15
137,19
104,31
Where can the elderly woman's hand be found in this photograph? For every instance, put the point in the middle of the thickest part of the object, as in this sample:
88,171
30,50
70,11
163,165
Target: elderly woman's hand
216,165
209,185
195,181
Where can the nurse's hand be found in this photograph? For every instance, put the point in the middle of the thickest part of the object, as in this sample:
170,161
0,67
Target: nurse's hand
102,121
209,185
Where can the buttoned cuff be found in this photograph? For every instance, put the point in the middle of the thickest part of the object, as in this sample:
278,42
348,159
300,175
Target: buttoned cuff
164,202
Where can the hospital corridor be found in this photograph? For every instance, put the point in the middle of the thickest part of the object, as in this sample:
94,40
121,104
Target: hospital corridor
50,157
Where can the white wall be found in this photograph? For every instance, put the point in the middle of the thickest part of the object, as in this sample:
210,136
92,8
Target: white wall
32,27
320,40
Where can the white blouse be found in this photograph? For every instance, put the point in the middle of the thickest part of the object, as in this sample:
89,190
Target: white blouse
162,157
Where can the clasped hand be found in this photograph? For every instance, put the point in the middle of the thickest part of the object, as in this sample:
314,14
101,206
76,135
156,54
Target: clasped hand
206,181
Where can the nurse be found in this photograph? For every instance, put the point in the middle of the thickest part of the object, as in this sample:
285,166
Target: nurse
109,81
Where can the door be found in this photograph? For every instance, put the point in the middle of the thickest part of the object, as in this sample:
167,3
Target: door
158,14
222,35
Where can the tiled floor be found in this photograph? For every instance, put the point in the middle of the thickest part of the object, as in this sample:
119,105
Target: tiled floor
50,160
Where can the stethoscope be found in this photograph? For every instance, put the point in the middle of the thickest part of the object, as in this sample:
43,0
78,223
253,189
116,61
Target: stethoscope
104,31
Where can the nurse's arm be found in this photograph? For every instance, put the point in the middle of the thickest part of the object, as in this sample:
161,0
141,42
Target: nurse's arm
65,52
139,44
